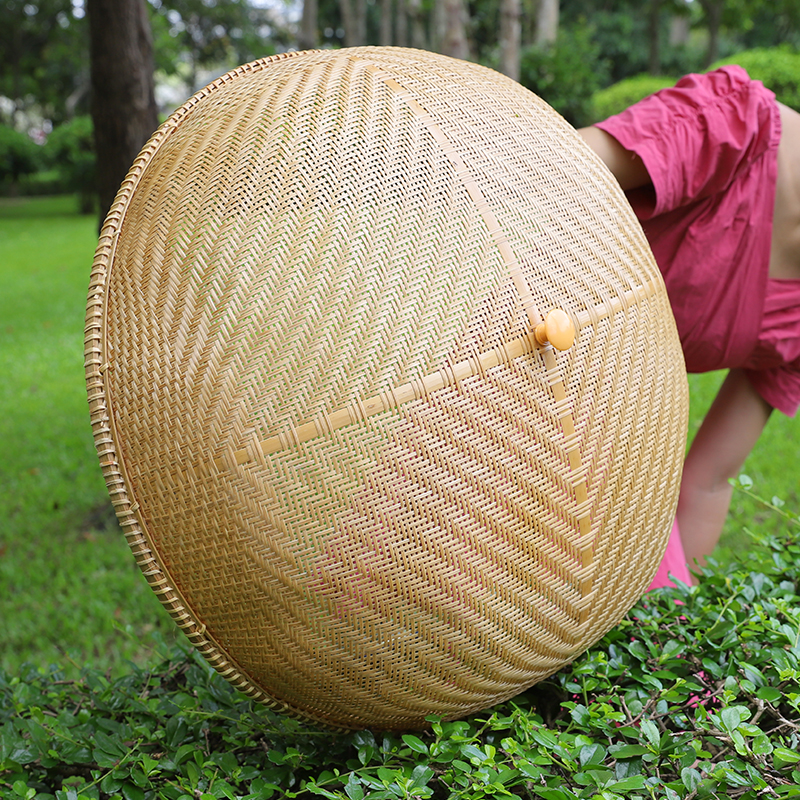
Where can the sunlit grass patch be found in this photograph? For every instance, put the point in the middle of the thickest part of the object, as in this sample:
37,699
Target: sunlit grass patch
68,583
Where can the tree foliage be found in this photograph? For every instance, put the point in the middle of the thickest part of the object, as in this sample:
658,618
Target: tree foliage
18,154
45,59
567,73
70,150
44,43
197,34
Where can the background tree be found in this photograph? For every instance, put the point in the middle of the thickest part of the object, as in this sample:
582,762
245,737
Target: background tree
510,33
44,64
773,23
203,34
452,25
585,45
18,156
354,22
416,25
547,18
123,94
70,151
654,36
713,16
307,36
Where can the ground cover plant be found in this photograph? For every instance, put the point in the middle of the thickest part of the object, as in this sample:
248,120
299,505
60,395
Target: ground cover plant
696,694
98,700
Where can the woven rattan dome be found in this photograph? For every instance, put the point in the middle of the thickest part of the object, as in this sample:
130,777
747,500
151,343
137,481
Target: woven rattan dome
341,458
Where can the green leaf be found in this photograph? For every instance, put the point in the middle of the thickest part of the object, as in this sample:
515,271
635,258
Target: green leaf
110,784
761,745
628,751
353,788
769,694
386,775
21,790
739,742
691,778
105,760
365,744
416,744
652,734
544,737
473,753
782,757
184,751
132,792
108,744
421,776
320,791
634,782
580,715
672,648
591,754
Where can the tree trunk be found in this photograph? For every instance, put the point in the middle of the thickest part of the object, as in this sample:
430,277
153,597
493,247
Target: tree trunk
713,9
386,23
401,23
348,13
361,22
453,40
528,21
307,39
510,38
679,31
654,35
547,22
415,18
123,94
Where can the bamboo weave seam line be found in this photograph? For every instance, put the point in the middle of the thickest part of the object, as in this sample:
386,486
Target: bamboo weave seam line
360,410
440,379
510,261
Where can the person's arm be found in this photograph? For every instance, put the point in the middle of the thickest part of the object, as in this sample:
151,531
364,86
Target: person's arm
627,167
727,435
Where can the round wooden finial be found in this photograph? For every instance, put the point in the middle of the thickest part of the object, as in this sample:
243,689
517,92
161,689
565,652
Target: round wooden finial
558,329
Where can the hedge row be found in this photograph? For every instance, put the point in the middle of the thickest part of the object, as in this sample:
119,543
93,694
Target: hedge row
778,68
64,164
696,694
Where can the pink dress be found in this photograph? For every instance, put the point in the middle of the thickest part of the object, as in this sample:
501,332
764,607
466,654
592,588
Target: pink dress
710,147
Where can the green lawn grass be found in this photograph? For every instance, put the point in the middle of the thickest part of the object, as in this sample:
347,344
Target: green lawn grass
774,467
68,586
69,589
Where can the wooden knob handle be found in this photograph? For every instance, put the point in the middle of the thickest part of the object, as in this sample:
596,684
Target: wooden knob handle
558,329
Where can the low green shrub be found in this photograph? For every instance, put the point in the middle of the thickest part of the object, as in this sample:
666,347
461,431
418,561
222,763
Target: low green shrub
70,150
19,155
616,98
567,74
778,68
695,694
42,183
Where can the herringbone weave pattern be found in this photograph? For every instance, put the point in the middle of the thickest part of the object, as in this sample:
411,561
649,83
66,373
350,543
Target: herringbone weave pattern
338,452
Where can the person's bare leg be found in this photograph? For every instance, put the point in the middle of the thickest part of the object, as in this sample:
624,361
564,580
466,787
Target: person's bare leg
728,433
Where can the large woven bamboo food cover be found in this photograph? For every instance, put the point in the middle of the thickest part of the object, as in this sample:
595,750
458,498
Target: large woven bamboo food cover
358,459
